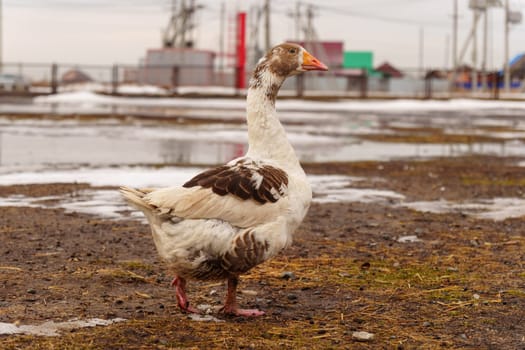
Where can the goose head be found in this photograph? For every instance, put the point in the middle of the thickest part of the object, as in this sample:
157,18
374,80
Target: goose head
280,62
289,59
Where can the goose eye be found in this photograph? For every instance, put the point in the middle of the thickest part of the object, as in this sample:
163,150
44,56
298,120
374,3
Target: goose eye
292,51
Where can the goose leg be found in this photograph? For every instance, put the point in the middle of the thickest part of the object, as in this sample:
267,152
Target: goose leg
179,284
231,307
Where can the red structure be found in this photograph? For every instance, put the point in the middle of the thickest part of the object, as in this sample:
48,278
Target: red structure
330,52
240,78
389,70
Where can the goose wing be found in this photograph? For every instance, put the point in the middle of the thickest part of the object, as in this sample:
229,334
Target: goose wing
243,192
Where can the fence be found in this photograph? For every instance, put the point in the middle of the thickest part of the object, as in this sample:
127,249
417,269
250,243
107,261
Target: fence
186,79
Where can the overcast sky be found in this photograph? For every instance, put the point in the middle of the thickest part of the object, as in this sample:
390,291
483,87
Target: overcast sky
120,31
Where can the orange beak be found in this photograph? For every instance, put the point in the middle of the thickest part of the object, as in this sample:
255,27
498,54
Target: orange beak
312,63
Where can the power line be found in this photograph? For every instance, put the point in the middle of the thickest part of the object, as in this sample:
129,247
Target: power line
358,14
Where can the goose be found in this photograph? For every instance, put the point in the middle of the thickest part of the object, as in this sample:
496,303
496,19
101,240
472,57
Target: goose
226,220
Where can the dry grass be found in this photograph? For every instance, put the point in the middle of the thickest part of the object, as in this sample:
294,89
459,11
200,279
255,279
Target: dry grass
461,287
407,301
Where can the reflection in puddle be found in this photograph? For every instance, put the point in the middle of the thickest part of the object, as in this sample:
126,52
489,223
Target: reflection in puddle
191,152
214,132
384,151
102,144
130,145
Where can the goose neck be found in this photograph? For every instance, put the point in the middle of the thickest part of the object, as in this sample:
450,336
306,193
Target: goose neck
266,136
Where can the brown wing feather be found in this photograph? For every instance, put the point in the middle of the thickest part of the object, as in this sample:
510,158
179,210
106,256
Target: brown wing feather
238,179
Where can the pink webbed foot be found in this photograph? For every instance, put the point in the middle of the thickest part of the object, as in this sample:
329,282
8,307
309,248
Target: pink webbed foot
230,306
235,311
179,284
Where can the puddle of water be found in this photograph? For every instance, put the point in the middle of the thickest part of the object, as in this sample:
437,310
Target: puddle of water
101,203
52,328
213,144
384,151
334,189
319,131
109,203
496,209
109,144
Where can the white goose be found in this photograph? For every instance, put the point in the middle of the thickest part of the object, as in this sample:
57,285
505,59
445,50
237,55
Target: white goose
229,219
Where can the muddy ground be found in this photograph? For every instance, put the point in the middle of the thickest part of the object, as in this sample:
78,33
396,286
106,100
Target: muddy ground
461,287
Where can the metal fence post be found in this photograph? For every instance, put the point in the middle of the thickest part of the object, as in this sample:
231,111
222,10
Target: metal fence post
114,79
175,76
496,82
364,83
348,83
299,85
428,87
54,78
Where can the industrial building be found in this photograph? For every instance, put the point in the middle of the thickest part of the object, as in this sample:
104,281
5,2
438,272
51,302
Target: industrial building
174,66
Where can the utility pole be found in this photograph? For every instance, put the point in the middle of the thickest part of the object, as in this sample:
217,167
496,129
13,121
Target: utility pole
474,79
255,51
173,8
221,37
485,49
180,29
297,20
267,38
309,27
447,52
469,38
506,70
1,37
454,46
421,51
184,21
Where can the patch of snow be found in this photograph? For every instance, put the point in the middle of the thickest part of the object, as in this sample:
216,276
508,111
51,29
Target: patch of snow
436,207
83,97
129,89
326,189
409,239
101,203
336,188
87,98
496,209
207,90
109,203
356,195
508,135
52,328
86,86
141,177
122,176
204,318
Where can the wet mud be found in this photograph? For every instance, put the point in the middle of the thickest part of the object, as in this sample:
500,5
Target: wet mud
460,285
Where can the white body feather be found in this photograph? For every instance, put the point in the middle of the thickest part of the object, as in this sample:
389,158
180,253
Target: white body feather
195,220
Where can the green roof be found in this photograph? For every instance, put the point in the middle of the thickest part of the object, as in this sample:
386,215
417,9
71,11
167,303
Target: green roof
358,60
